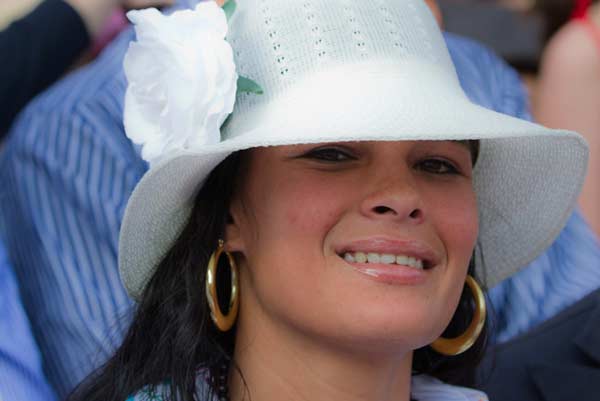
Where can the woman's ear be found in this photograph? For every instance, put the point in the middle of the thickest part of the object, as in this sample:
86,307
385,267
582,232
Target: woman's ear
233,232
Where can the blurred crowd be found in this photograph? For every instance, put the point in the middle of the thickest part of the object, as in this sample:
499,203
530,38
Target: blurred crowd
67,170
555,46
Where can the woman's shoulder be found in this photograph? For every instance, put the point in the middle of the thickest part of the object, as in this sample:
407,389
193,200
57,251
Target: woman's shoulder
427,388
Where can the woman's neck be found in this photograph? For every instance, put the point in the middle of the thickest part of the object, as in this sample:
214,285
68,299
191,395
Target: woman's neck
281,363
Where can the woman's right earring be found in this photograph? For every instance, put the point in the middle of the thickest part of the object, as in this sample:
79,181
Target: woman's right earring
223,322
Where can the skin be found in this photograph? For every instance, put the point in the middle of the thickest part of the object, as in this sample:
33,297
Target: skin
95,13
311,326
567,96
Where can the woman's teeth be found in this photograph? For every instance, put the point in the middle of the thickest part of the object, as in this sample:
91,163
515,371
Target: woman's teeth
386,259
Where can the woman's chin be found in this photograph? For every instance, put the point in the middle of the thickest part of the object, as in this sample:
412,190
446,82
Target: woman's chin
382,330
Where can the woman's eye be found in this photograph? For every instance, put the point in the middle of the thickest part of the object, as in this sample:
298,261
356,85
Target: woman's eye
330,155
438,166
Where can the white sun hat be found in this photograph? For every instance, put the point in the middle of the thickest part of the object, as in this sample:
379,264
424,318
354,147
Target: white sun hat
331,70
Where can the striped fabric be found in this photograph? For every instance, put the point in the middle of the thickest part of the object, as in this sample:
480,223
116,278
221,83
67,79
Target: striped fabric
567,272
66,173
21,376
486,79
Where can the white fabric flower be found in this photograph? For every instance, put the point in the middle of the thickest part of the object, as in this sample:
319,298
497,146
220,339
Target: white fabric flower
182,80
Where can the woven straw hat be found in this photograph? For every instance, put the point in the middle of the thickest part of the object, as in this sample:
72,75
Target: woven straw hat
350,70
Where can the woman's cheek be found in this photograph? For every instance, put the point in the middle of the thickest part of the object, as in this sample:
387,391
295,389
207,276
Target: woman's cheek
315,210
454,212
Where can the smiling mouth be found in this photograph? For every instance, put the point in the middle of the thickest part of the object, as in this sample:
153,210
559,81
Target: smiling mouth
386,259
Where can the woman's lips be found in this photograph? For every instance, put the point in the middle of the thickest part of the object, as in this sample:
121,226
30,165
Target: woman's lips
391,274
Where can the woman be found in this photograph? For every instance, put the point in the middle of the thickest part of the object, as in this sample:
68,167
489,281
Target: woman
339,202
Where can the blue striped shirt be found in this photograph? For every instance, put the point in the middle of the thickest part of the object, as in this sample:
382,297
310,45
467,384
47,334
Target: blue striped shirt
565,273
21,375
67,171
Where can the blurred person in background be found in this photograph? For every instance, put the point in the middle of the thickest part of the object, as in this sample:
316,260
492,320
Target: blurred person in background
567,94
21,374
68,310
41,46
561,357
507,27
552,362
36,51
555,45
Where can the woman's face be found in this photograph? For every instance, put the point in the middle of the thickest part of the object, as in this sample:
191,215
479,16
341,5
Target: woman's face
361,243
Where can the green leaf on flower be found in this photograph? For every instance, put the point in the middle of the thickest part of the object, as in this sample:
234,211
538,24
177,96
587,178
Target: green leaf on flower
229,8
246,85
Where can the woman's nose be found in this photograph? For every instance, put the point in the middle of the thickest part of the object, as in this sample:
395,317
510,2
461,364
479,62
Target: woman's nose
395,198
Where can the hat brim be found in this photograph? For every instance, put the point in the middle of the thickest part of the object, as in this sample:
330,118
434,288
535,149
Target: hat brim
527,177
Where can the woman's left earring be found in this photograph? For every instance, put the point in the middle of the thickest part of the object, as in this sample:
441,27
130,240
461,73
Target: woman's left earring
458,345
223,322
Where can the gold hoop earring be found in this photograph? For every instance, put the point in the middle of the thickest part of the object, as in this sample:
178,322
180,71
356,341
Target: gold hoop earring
458,345
223,322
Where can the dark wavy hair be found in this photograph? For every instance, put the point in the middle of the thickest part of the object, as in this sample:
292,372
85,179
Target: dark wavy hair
172,336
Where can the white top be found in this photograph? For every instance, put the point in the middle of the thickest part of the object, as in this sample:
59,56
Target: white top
424,388
427,388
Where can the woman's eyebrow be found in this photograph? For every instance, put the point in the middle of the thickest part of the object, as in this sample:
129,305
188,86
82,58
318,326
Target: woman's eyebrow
466,143
473,146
